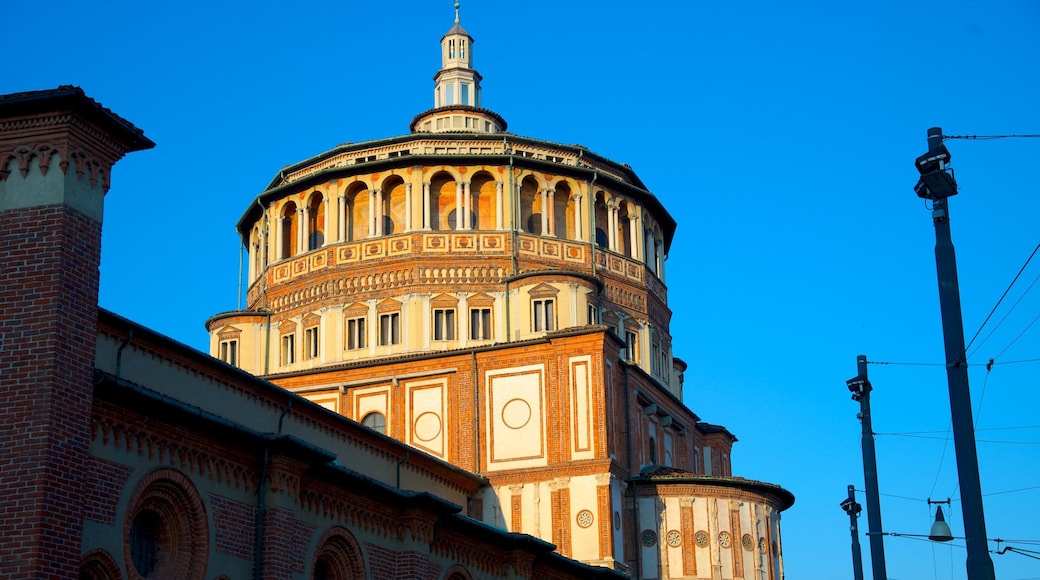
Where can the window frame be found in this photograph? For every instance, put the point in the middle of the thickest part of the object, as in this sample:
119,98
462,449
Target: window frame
480,327
389,328
287,356
311,343
543,314
356,333
227,351
444,325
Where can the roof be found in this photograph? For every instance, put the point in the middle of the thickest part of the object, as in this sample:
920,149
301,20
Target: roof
72,98
662,475
457,29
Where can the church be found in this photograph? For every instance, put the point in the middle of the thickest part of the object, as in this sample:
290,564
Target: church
454,363
500,303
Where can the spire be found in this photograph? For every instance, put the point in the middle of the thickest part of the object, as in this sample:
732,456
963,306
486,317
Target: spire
457,87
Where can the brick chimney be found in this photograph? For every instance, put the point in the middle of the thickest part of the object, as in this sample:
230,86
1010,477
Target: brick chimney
57,148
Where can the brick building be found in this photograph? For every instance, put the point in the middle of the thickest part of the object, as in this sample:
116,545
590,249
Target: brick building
499,303
124,454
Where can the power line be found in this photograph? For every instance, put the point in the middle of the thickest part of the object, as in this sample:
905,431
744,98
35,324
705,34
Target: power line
1002,296
990,137
1008,313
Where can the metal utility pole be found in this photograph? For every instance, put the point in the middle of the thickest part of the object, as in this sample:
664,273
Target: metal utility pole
860,388
852,508
936,184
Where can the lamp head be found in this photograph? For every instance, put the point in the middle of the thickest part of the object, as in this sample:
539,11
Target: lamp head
940,531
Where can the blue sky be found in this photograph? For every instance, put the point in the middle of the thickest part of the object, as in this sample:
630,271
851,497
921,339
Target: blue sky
781,136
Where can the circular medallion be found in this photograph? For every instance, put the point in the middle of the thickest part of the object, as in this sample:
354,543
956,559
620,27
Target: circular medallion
516,413
427,426
724,539
674,538
701,538
617,520
649,537
585,518
747,542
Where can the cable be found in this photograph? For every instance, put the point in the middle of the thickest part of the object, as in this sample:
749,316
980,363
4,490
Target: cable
1008,313
912,364
1019,336
997,305
990,137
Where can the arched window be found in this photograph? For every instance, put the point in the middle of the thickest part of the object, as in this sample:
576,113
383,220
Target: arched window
99,565
530,206
375,421
562,227
442,202
290,223
395,206
316,222
484,192
338,557
357,213
166,533
602,221
624,231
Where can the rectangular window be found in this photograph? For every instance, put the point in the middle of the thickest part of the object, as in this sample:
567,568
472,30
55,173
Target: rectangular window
480,323
389,329
592,311
464,87
449,93
544,315
229,352
355,333
631,344
655,359
443,324
288,349
310,343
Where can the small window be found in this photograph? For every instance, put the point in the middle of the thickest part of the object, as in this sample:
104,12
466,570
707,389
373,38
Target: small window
480,324
592,312
375,421
355,333
389,328
464,87
229,351
443,324
631,344
310,343
653,451
544,317
449,93
288,349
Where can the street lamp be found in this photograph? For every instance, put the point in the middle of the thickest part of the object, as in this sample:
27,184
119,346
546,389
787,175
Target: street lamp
860,388
937,184
852,507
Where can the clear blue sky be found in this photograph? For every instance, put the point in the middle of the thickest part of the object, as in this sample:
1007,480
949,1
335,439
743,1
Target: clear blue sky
781,136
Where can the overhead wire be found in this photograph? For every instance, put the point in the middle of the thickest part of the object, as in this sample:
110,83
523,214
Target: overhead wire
1002,296
1008,313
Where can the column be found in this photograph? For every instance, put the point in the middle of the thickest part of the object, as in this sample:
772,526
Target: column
325,221
576,200
498,205
467,201
550,199
545,212
426,205
303,215
612,225
659,259
279,231
458,205
373,212
634,228
341,213
408,207
651,254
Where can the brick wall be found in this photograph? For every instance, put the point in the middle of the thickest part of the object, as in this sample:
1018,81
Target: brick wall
49,260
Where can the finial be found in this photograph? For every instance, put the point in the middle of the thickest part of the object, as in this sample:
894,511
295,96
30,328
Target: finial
456,13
